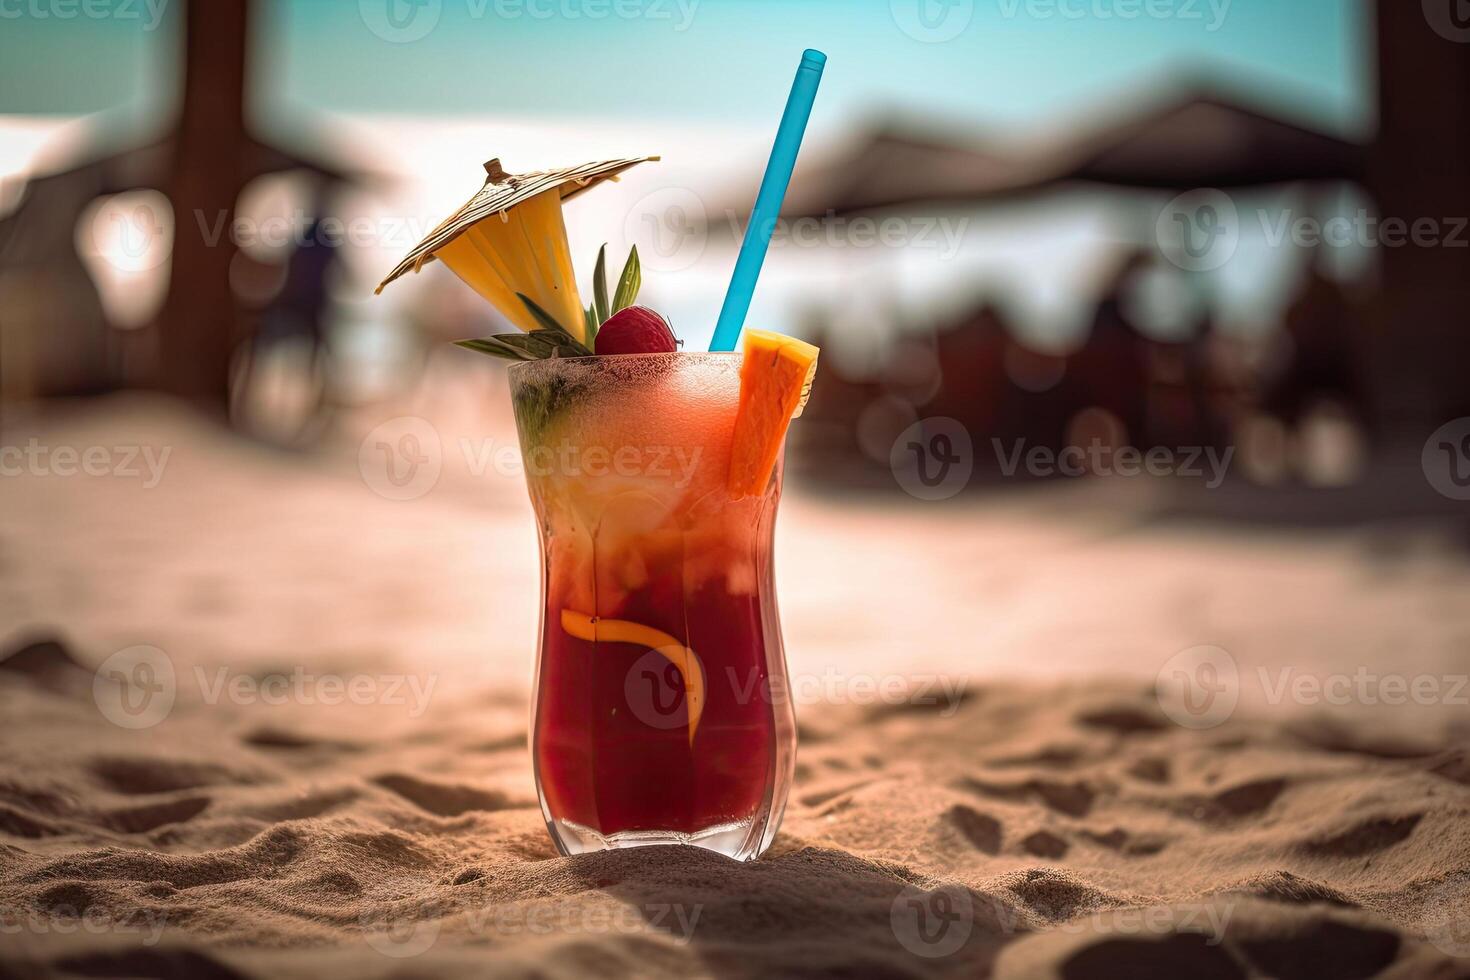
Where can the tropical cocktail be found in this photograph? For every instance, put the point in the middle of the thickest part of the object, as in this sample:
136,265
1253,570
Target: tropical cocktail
655,720
654,474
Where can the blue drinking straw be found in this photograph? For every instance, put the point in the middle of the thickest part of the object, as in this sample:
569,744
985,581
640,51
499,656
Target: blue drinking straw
768,200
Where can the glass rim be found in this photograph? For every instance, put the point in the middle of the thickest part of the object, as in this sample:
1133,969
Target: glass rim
591,360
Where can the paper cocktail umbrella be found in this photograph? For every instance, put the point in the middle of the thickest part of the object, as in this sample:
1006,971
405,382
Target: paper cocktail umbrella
509,239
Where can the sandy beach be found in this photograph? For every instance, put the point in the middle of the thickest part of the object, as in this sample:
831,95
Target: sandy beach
1027,806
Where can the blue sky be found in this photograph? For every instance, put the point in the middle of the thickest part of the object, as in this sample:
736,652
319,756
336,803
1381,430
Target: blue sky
1008,61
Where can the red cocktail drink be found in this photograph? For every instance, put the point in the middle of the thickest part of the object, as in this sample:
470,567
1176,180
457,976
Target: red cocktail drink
655,477
660,644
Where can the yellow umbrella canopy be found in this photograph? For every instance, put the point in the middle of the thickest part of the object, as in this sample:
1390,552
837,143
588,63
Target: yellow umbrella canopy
510,238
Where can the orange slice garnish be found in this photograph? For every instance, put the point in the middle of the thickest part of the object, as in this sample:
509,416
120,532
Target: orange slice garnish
775,382
595,629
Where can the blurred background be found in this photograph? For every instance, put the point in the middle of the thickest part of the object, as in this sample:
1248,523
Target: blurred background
1143,325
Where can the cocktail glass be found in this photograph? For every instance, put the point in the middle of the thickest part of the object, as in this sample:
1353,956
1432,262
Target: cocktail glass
660,714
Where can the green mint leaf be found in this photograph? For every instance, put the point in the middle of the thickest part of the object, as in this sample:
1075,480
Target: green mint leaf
629,283
531,346
599,286
495,347
546,320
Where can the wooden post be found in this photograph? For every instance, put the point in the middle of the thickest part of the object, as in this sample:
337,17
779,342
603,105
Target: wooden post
199,325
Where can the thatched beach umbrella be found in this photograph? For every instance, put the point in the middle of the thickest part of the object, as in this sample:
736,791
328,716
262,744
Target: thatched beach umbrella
1207,141
1199,140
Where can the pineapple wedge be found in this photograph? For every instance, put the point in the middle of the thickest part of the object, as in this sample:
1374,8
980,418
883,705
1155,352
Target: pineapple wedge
523,250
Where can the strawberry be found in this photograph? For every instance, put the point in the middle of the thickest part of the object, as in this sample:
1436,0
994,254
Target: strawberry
635,330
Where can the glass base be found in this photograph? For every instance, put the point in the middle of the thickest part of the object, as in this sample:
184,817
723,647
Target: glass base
730,839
